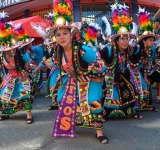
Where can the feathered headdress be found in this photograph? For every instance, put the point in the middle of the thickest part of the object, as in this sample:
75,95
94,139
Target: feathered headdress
121,21
21,34
62,15
7,38
145,25
91,33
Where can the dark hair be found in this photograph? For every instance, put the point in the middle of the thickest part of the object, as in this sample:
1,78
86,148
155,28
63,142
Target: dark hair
61,28
157,20
141,44
19,63
1,63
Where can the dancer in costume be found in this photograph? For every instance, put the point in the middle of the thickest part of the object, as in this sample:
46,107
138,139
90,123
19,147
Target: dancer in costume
38,52
119,92
79,86
22,35
15,87
149,62
50,45
156,26
49,49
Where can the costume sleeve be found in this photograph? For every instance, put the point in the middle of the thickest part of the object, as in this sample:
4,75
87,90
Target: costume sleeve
88,55
135,54
42,65
33,49
26,57
96,64
107,54
49,60
53,79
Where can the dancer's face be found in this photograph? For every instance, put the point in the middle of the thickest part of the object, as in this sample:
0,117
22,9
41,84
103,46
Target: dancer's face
11,52
63,37
149,42
123,42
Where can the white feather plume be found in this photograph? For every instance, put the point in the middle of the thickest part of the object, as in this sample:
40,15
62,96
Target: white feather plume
50,15
135,28
108,26
18,25
95,25
39,30
3,14
10,23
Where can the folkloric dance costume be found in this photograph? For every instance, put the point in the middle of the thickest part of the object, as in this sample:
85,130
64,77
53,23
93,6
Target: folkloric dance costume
119,93
49,45
149,60
15,87
76,87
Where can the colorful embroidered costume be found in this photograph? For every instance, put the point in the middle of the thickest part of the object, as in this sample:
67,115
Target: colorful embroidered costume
149,59
86,94
14,62
14,93
119,93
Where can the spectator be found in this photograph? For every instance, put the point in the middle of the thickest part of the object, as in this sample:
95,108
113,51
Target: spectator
156,25
100,38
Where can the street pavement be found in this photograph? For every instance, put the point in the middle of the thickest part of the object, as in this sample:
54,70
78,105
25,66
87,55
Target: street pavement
123,134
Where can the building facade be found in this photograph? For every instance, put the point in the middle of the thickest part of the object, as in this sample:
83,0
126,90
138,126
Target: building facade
90,10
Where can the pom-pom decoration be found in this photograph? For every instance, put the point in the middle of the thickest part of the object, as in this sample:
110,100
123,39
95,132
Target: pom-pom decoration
145,23
91,33
50,17
7,38
63,8
20,33
22,36
62,17
120,17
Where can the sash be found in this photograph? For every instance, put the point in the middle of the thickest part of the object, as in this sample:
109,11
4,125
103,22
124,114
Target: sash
64,125
8,91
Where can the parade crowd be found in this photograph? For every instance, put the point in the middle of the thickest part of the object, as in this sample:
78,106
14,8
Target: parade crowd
99,72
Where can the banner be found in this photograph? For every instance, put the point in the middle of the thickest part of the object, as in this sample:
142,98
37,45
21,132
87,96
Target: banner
7,3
